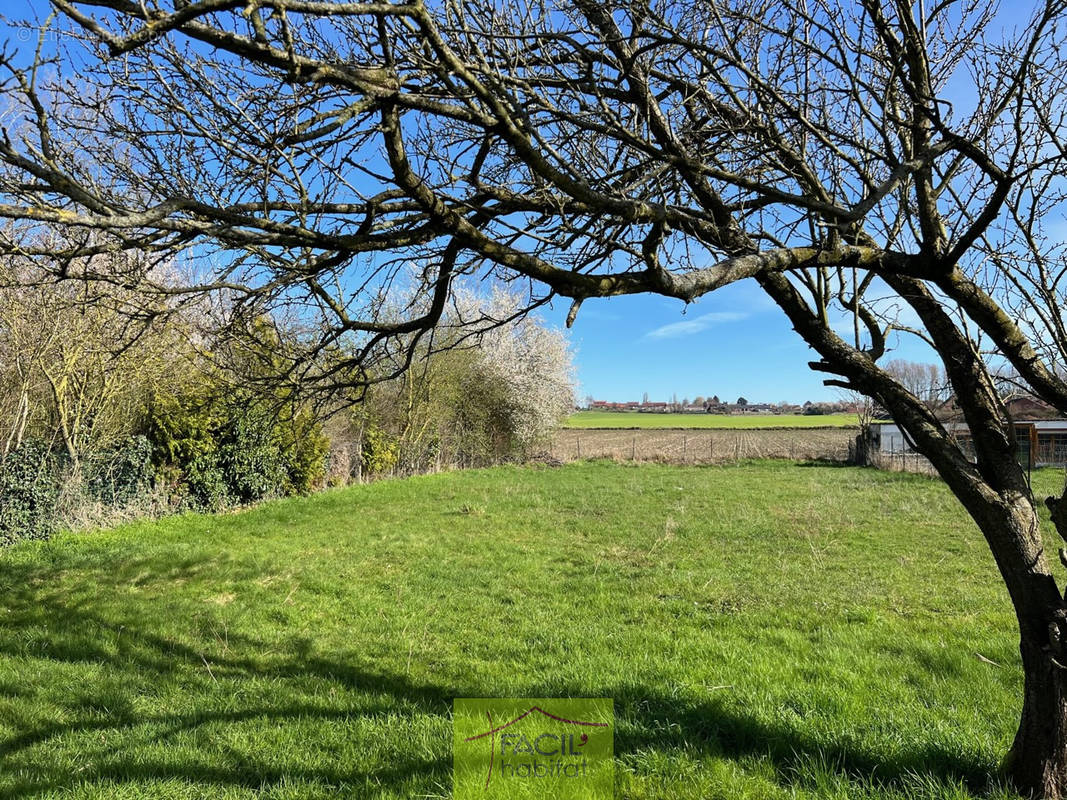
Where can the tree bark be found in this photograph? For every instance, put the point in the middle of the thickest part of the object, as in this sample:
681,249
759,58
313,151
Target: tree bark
1037,762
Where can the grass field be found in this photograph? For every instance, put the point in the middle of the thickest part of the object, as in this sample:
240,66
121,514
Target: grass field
612,419
767,630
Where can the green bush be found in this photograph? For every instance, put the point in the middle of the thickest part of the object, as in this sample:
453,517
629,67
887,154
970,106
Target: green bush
29,489
381,451
480,427
202,483
224,447
306,449
117,475
251,460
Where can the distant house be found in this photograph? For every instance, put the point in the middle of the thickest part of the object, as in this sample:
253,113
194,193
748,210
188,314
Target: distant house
1024,407
605,405
1020,407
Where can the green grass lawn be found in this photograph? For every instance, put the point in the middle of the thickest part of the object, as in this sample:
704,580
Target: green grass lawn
767,630
613,419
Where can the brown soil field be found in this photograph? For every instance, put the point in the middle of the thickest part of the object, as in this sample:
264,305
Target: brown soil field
703,446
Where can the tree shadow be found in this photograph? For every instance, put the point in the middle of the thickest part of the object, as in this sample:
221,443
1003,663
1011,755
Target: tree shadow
827,462
648,718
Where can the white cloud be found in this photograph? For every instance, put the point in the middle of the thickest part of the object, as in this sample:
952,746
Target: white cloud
699,324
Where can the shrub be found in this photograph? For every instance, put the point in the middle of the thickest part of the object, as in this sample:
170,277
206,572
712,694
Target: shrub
381,451
305,448
119,474
251,460
224,446
29,489
205,486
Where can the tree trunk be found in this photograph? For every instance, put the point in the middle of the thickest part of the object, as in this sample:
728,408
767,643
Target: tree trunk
1037,762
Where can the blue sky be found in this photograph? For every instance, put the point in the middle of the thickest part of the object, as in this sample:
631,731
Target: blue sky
731,343
734,342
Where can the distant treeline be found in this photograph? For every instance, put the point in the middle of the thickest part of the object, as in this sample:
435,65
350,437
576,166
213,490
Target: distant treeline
713,405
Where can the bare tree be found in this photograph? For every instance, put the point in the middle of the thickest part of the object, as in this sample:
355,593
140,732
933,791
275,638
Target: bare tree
75,366
302,153
926,381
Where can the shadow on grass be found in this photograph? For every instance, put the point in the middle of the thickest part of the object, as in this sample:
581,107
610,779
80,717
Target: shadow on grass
69,633
826,462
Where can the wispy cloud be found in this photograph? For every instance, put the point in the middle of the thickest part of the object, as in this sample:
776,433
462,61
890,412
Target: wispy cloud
689,327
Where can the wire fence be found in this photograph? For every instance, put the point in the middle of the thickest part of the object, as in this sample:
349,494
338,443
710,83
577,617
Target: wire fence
901,458
901,461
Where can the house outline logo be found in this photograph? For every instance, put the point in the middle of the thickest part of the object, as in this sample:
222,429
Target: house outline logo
491,733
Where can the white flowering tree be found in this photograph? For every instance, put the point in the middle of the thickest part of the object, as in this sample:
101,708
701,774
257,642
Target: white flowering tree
531,360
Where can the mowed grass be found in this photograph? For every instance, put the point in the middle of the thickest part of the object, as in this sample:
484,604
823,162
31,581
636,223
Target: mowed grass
767,630
613,419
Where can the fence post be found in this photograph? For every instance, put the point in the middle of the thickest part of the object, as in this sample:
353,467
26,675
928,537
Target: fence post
683,448
578,439
633,449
